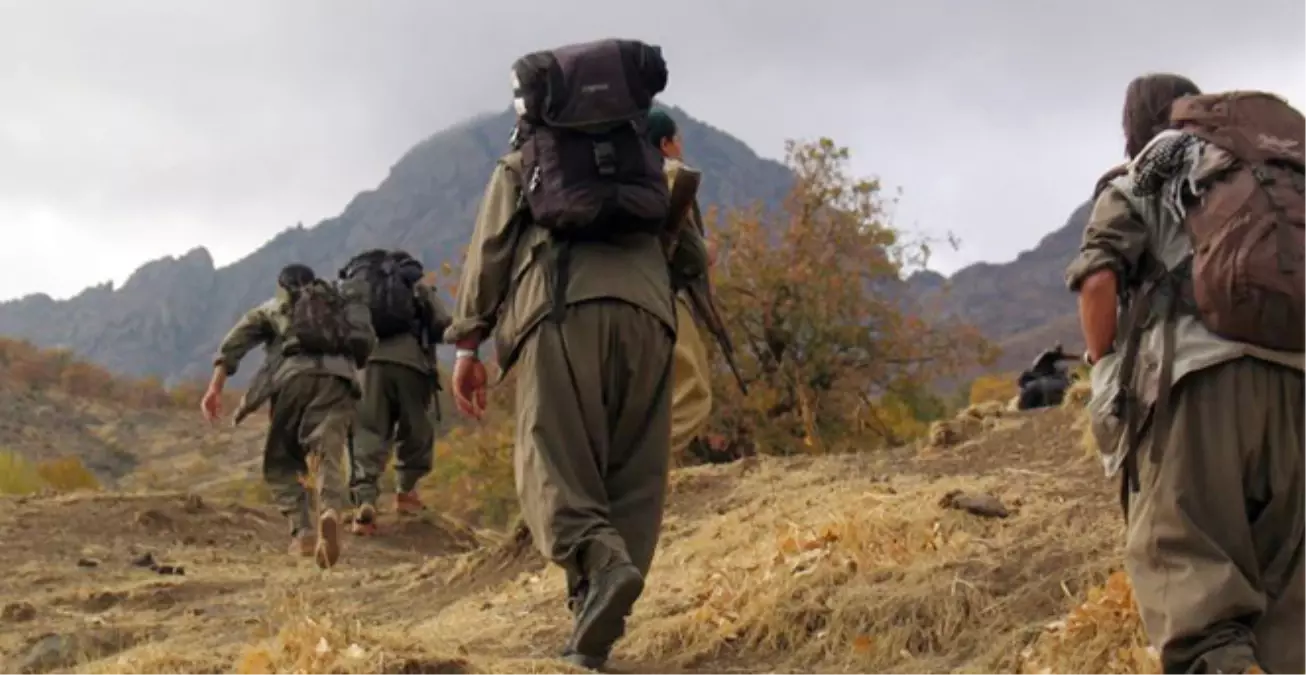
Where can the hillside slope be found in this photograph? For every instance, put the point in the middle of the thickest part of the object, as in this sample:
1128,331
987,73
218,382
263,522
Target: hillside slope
833,564
1022,305
123,446
168,317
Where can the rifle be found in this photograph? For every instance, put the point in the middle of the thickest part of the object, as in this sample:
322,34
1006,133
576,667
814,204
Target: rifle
695,282
429,345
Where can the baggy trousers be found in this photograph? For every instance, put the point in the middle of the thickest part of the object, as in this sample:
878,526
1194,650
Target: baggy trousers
310,418
691,394
1215,540
593,437
393,409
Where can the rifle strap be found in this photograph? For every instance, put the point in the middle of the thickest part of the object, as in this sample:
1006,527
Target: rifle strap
1165,292
1127,403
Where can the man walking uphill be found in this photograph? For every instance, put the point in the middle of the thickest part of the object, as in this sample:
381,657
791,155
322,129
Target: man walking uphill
566,273
399,383
691,394
1198,394
314,338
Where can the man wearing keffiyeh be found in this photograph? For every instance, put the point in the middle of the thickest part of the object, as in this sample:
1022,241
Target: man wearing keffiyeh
1213,482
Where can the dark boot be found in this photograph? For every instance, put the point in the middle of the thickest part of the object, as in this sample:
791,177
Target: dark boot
602,618
576,592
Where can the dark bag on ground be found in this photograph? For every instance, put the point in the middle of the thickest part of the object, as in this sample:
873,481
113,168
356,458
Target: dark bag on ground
1041,391
317,321
389,277
1247,273
588,170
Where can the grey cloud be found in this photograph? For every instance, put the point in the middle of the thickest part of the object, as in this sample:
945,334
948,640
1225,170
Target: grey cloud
149,127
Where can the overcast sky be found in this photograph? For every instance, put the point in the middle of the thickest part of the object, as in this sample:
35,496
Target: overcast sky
130,130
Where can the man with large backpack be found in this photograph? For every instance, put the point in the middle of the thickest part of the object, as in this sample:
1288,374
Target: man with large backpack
1197,377
314,337
566,274
399,383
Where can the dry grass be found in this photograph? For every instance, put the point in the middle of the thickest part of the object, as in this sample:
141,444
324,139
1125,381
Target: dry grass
832,564
968,424
882,581
1104,634
825,565
1077,394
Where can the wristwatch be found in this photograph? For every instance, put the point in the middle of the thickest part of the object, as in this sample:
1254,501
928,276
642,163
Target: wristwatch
460,354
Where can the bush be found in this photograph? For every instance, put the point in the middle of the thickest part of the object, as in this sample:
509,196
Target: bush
17,475
67,474
86,380
27,366
810,297
987,388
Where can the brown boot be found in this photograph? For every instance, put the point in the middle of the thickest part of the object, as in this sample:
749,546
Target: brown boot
328,539
364,524
302,545
408,503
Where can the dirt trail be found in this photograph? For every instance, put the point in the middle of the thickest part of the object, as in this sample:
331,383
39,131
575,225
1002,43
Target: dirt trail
804,564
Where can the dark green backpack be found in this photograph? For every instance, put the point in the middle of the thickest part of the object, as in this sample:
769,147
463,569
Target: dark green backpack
317,323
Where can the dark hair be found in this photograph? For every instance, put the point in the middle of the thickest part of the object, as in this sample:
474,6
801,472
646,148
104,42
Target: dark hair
660,127
1147,107
295,276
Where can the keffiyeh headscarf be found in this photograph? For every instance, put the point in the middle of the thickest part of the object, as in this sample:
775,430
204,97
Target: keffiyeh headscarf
1166,168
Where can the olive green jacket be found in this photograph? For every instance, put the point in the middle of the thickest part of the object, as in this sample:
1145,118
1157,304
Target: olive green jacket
506,286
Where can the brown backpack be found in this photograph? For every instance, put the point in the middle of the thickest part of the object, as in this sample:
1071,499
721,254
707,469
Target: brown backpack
1248,276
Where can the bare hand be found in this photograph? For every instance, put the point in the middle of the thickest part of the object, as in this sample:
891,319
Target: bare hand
211,404
469,381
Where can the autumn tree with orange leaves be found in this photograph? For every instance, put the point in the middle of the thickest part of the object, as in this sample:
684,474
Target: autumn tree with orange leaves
812,297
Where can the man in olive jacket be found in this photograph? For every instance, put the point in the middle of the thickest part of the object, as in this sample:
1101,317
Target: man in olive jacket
1213,483
399,385
691,397
312,399
593,397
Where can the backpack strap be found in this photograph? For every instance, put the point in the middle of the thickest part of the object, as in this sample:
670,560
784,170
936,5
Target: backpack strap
560,251
1161,297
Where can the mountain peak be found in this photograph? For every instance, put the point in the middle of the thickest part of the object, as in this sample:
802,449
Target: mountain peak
168,317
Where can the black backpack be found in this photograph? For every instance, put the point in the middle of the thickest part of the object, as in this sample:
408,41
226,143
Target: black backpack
390,277
316,320
588,169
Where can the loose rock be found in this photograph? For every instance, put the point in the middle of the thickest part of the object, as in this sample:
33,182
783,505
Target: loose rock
985,504
16,612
